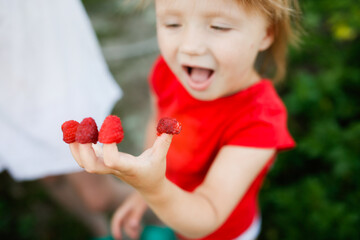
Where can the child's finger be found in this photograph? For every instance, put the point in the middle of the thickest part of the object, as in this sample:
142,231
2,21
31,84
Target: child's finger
74,149
116,160
132,229
133,226
98,150
161,146
90,161
117,221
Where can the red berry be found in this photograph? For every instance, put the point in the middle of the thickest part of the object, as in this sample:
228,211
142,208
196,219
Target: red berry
69,129
169,126
87,131
111,130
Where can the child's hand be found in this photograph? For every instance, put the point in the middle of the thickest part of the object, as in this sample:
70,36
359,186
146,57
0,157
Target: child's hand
128,217
145,172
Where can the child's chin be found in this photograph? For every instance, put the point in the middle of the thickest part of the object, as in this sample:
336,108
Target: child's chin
204,95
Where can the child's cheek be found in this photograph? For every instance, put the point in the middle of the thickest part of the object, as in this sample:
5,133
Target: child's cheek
166,45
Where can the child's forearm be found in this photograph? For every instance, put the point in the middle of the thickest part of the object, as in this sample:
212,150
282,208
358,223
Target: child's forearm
191,214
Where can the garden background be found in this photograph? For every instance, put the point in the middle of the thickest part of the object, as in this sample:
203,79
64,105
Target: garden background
312,192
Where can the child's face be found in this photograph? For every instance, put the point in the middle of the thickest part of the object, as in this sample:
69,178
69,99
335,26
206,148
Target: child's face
211,46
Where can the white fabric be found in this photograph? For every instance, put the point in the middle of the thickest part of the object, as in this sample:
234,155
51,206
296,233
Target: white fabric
252,232
51,70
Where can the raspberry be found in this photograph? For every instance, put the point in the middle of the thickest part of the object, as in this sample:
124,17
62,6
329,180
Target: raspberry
169,126
69,129
111,130
87,131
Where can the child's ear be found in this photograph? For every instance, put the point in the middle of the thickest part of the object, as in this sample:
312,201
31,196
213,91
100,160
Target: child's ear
268,39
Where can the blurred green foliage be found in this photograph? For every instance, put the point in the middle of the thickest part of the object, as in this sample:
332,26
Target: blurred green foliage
313,191
28,213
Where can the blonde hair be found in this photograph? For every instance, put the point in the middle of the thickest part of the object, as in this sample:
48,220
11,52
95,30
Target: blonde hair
283,17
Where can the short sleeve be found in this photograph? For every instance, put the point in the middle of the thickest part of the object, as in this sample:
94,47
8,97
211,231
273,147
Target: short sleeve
261,127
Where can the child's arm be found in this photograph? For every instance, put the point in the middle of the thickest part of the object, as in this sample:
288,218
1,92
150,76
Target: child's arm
194,214
199,213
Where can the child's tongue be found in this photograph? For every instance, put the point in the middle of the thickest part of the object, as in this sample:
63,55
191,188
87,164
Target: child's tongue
199,74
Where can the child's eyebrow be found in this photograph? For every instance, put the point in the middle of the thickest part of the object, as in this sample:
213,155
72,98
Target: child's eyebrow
209,15
221,14
217,13
173,12
228,14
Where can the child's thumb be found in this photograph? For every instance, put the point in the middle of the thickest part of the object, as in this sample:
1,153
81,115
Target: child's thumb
162,144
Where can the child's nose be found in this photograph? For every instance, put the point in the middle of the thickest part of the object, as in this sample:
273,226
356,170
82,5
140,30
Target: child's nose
193,42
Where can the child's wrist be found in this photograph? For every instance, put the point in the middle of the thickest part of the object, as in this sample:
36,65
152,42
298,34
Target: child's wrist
156,193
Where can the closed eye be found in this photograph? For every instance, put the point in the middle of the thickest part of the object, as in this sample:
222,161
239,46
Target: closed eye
172,25
220,28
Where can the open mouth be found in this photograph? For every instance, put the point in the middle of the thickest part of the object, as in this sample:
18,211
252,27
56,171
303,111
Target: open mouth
199,78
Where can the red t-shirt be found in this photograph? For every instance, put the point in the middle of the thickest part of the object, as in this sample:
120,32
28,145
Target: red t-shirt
255,117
